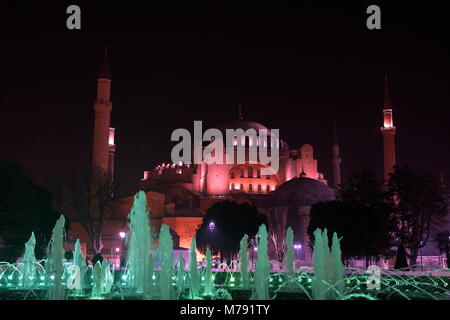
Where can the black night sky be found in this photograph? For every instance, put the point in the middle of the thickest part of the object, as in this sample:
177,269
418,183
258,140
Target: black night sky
290,68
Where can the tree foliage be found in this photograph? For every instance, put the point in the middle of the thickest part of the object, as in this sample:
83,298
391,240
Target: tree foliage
25,207
416,208
231,221
361,227
442,239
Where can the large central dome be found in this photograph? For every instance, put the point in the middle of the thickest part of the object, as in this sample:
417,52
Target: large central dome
242,124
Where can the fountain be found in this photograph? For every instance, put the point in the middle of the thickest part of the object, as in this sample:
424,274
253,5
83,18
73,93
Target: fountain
337,268
290,252
328,282
54,263
209,283
243,262
165,254
107,277
194,279
97,282
180,276
80,269
28,269
262,266
153,276
139,244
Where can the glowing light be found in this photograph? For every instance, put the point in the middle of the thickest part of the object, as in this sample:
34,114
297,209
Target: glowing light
212,226
122,234
111,136
117,249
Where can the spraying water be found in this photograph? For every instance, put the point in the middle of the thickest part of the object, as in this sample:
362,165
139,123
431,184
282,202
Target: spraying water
97,283
193,272
29,263
139,244
107,277
180,277
337,267
321,259
165,251
290,252
209,284
262,266
80,262
54,264
328,281
243,261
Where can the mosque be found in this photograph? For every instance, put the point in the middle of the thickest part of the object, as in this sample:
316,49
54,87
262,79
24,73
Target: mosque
180,194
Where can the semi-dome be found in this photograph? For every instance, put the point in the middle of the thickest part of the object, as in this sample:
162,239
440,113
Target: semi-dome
301,192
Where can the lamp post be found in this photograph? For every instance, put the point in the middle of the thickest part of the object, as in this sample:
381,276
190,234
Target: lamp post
421,256
252,242
122,236
297,248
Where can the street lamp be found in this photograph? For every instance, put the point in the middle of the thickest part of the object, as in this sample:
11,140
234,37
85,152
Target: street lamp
252,242
421,255
297,248
212,226
122,235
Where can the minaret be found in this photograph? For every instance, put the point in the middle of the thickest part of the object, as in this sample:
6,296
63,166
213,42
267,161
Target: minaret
102,107
388,132
336,159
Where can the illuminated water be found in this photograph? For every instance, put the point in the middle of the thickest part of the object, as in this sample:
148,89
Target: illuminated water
154,276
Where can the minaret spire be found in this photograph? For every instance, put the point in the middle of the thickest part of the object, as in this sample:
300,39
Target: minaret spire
105,69
388,131
387,98
240,117
335,158
101,157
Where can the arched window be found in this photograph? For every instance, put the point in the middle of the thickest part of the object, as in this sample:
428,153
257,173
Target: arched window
232,186
250,172
232,175
250,187
268,188
242,173
241,187
259,188
258,173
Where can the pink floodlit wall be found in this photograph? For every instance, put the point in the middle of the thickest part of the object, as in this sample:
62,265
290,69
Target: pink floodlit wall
217,179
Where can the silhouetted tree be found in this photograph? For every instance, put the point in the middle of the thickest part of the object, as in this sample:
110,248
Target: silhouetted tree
231,221
363,187
442,240
362,228
400,260
90,196
416,207
24,208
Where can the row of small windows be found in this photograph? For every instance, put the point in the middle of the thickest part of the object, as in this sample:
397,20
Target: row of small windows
250,173
248,141
250,187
